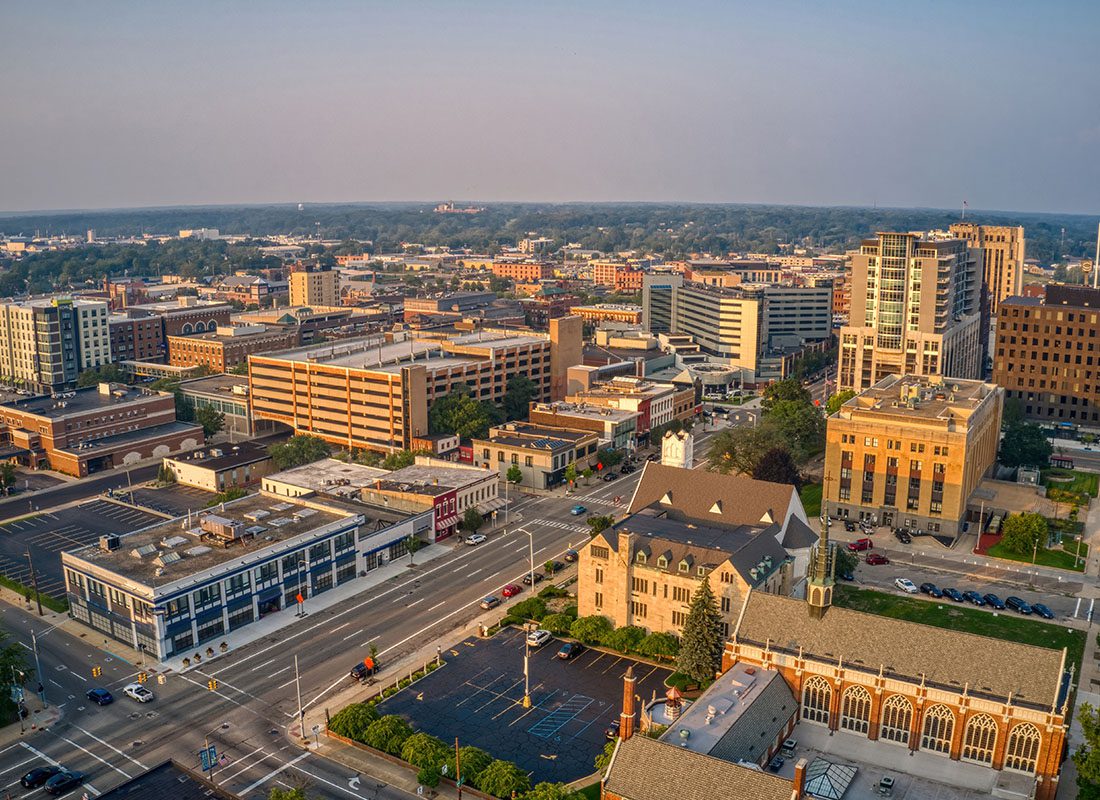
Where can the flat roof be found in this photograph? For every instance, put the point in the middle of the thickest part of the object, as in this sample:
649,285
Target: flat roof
330,475
175,305
924,398
226,456
586,411
266,521
433,479
215,384
78,401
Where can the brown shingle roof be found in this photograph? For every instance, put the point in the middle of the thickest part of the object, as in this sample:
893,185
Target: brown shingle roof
694,492
951,659
646,769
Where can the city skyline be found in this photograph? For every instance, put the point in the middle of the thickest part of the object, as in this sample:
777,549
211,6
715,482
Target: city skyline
124,106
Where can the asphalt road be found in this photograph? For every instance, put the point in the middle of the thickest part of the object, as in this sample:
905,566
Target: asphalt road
255,699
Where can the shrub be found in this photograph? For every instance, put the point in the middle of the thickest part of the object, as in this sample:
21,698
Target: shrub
428,776
659,645
557,624
352,722
424,750
501,778
571,611
531,608
625,639
388,734
512,620
474,760
551,591
590,630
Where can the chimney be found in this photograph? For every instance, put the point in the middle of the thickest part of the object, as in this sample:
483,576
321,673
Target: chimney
626,719
799,782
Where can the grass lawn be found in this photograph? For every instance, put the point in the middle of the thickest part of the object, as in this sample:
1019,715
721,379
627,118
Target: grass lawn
811,499
590,792
971,620
1080,485
1059,558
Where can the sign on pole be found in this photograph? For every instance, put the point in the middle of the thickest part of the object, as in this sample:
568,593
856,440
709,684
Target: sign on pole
209,757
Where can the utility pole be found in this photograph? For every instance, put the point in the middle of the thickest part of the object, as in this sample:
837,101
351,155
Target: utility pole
38,671
34,582
301,712
458,769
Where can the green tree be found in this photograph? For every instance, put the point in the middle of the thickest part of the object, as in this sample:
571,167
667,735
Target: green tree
388,734
514,474
1022,533
501,778
551,791
701,643
587,475
472,760
531,608
518,395
239,369
297,793
424,750
1087,756
1025,445
801,426
599,523
846,561
603,760
659,645
226,495
460,414
625,639
428,776
739,449
777,466
352,721
789,390
298,450
1013,413
837,400
210,418
570,474
412,544
402,459
472,519
165,475
108,373
609,457
7,476
590,630
557,624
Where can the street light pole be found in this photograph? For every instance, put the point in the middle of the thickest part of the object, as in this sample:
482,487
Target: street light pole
526,642
301,586
301,711
34,582
38,670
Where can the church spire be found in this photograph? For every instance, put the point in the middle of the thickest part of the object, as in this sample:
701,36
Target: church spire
820,580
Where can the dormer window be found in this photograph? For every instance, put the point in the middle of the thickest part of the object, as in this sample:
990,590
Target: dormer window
640,557
667,499
662,562
685,567
702,571
716,508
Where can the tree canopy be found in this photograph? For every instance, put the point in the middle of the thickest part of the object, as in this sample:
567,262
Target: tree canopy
518,395
777,466
460,414
701,643
837,400
1087,756
1025,445
788,389
1022,533
299,449
210,418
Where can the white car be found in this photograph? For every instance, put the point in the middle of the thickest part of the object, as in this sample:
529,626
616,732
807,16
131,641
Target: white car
137,692
538,638
475,538
905,585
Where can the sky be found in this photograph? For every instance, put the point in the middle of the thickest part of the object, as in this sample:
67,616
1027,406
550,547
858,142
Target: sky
113,104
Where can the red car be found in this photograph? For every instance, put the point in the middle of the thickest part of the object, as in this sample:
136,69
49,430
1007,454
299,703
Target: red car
875,559
511,590
860,544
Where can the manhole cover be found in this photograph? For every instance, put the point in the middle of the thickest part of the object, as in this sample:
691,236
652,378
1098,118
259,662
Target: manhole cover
137,743
151,714
134,716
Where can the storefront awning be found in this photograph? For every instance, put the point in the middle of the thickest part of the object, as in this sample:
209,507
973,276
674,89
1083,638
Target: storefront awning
489,506
445,522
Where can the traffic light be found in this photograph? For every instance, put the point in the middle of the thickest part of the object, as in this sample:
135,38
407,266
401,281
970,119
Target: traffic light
160,679
212,684
143,677
97,671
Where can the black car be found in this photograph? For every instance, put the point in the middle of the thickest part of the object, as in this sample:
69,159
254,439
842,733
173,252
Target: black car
973,597
611,476
1042,611
626,469
570,650
527,578
931,590
612,730
570,556
847,575
554,566
101,697
64,781
953,594
361,670
1018,604
38,776
994,602
903,536
849,525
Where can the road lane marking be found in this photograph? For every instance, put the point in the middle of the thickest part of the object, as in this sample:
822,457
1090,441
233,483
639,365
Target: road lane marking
475,572
280,672
352,635
261,666
97,758
112,747
340,627
414,602
273,773
437,605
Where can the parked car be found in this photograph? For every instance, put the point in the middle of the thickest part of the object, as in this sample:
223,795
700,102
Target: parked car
903,536
527,578
905,585
64,781
626,469
849,526
570,556
1042,611
475,538
554,567
137,692
610,476
993,601
1018,605
490,602
577,510
38,776
846,575
876,559
361,670
539,638
611,732
101,697
570,650
953,594
860,545
931,590
973,597
511,590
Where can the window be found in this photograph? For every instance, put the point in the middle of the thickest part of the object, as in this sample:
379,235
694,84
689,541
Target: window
979,739
344,541
599,574
679,618
638,610
897,717
515,458
180,607
938,730
1022,754
207,596
640,557
855,710
681,594
817,695
599,599
528,461
320,552
599,552
640,585
726,603
237,584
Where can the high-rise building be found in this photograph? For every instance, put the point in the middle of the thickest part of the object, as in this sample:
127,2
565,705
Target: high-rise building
314,287
1003,258
914,310
658,298
45,344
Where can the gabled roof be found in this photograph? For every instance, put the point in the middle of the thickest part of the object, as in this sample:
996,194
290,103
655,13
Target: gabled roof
647,769
799,535
983,665
694,493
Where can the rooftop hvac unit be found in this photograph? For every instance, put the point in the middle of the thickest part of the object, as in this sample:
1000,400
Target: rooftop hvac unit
109,542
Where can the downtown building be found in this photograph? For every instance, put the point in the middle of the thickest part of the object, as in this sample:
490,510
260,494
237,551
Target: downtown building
375,394
46,343
1004,249
915,310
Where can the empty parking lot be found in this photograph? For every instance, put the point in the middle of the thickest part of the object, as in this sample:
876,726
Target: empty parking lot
478,697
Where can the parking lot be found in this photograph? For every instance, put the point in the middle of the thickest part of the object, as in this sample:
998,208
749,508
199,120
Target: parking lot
47,534
478,697
175,500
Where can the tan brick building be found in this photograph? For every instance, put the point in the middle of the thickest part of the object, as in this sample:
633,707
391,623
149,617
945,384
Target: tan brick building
227,347
1004,249
523,270
910,451
314,287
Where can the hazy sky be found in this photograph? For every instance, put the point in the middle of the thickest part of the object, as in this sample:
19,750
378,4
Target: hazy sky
823,102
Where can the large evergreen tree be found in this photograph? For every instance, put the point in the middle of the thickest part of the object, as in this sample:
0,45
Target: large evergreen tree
701,643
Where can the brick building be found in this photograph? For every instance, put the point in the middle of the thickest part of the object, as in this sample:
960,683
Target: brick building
136,338
185,315
523,270
227,347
